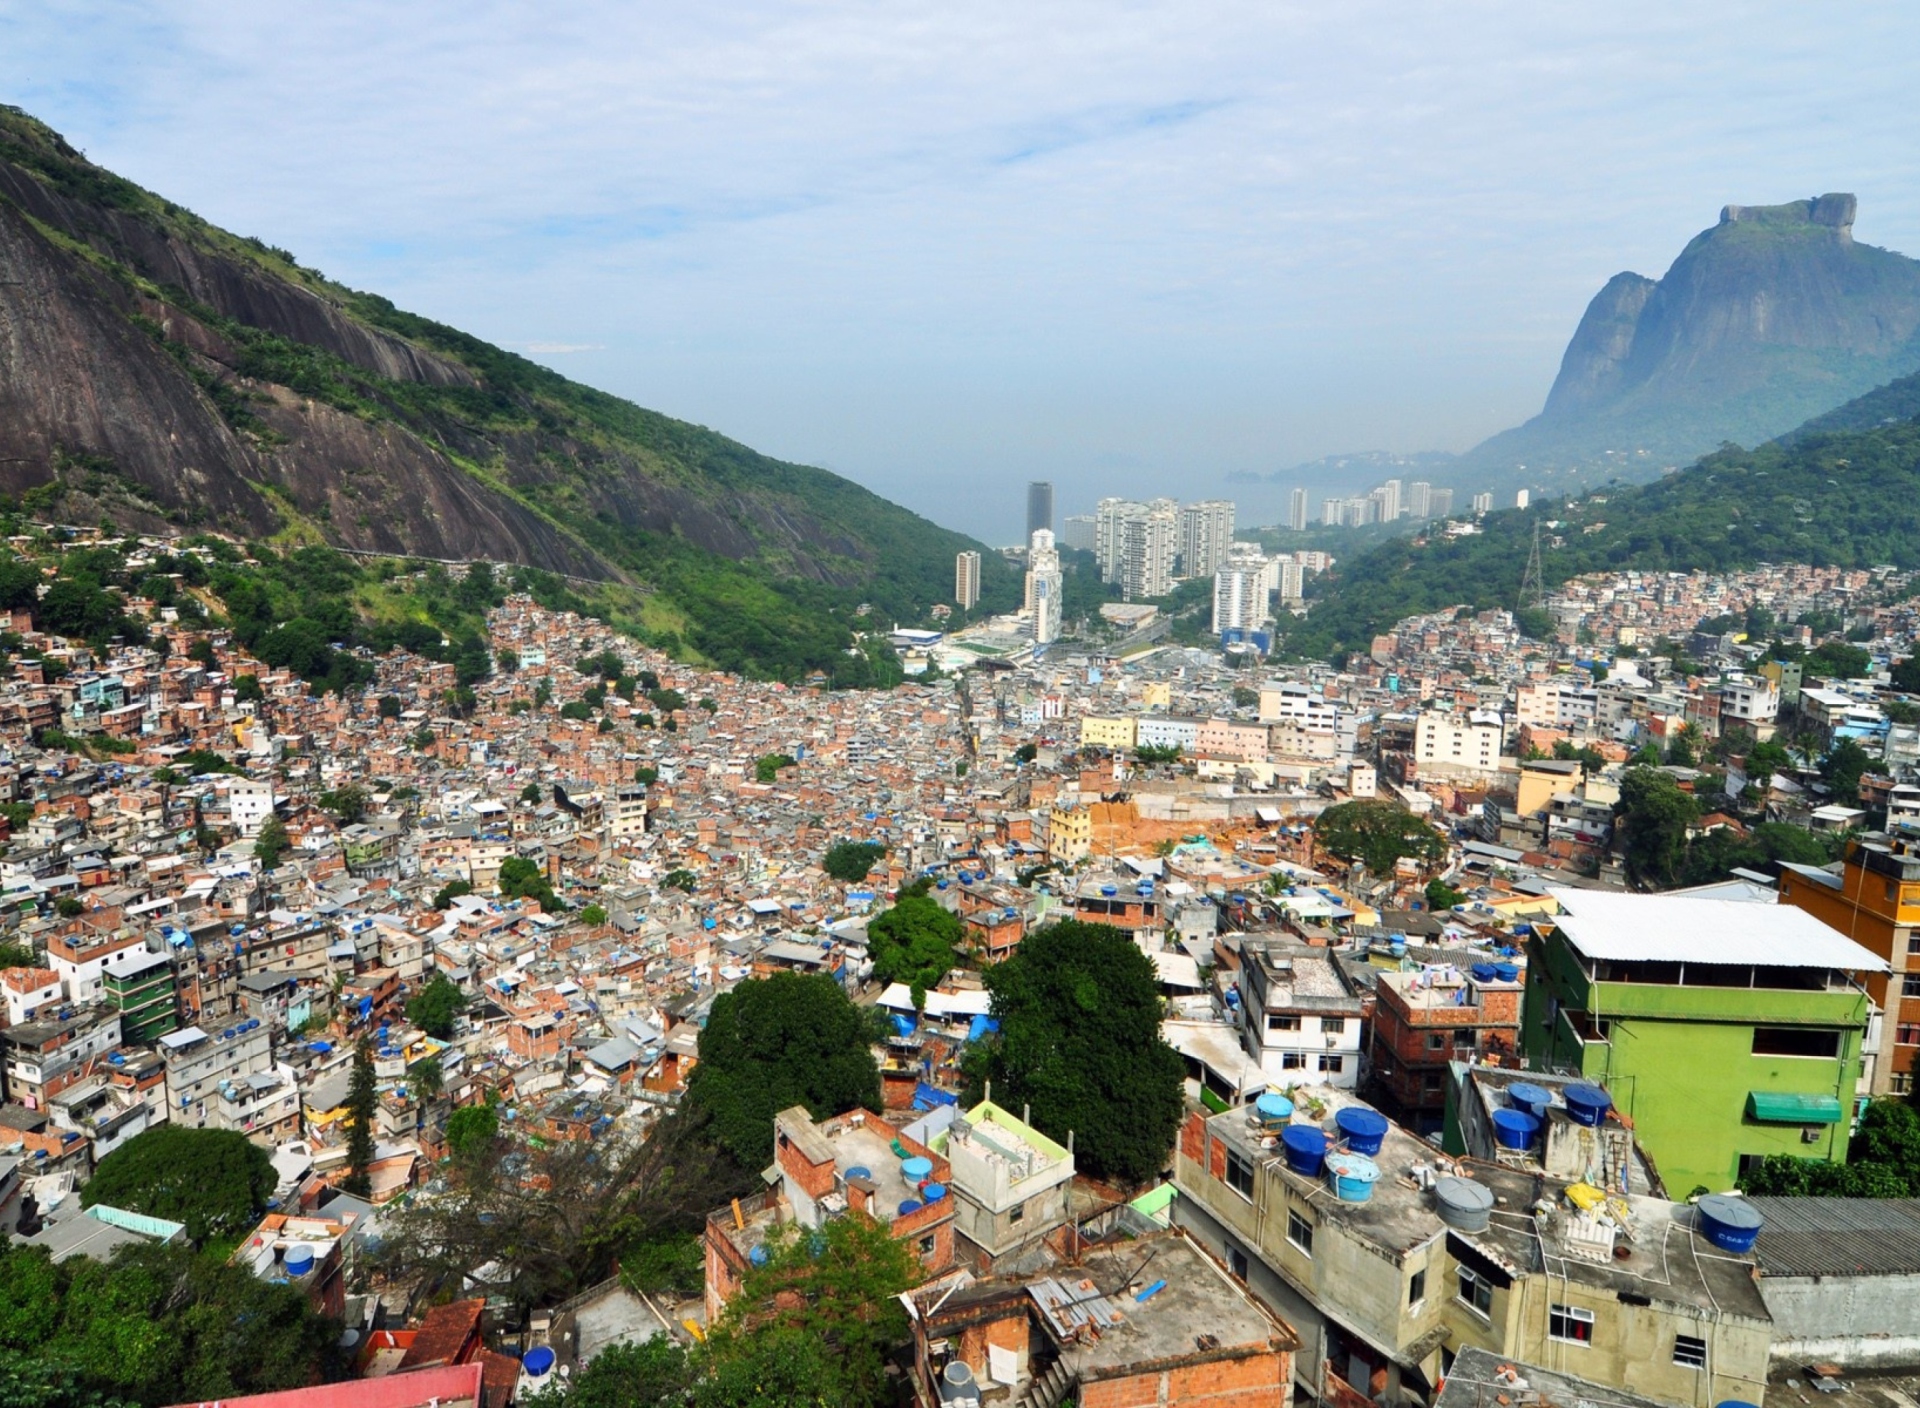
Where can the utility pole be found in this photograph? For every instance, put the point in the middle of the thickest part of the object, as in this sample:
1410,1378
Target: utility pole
1533,587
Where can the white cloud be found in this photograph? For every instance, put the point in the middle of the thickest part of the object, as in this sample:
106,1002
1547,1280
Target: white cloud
561,349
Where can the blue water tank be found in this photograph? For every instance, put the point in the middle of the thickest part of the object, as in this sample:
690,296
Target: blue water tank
1109,890
1484,972
860,1171
1730,1223
299,1261
1306,1149
1507,972
537,1361
1352,1177
934,1192
940,885
1515,1129
1274,1108
915,1168
758,1256
1587,1104
1530,1098
910,1205
1363,1129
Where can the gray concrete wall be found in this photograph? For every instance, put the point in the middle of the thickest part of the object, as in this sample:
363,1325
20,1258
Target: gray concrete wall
1857,1321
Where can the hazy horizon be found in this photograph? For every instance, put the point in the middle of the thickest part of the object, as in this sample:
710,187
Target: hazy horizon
1126,249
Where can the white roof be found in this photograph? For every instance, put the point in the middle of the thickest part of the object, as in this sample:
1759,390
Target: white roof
1177,970
1685,929
973,1003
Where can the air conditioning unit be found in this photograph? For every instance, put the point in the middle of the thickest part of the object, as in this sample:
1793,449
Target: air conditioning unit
1811,1134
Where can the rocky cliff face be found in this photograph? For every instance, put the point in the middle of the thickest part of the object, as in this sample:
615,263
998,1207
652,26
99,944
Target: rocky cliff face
165,373
1772,316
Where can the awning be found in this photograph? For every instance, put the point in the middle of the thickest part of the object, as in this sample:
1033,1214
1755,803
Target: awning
1771,1107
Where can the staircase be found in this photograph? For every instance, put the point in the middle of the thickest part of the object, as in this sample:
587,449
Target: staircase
1051,1389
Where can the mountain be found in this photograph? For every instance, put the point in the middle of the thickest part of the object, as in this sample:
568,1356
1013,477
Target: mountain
1841,490
170,376
1771,317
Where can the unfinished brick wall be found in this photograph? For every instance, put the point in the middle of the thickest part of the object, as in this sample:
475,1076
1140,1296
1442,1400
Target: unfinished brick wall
1261,1378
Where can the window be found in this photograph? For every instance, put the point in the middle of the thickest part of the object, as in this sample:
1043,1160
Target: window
1333,1064
1237,1262
1902,1083
1417,1287
926,1245
1910,985
1795,1041
1333,1024
1438,1041
1018,1214
1293,1060
1476,1291
1279,1022
1913,943
1570,1323
1907,1034
1689,1353
1299,1231
1239,1173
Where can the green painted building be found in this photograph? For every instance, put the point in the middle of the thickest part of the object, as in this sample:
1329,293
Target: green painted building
140,983
1726,1030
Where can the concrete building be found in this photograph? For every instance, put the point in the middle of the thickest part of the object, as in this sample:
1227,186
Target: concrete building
1303,1021
1069,835
200,1062
1240,596
1444,741
1009,1183
1439,503
1148,548
250,804
1420,499
1297,511
1039,507
966,580
1386,1292
1763,1008
1077,532
139,983
1045,582
1483,503
627,817
1206,536
1425,1020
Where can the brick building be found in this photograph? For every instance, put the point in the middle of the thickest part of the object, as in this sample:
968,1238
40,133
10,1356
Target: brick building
1424,1020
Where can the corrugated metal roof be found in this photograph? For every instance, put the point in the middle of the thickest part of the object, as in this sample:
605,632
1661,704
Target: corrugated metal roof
1839,1236
1674,929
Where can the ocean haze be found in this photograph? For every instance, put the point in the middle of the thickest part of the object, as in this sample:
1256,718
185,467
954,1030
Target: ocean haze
1129,249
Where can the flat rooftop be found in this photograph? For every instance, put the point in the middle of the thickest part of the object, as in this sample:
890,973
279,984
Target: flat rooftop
1479,1378
1686,929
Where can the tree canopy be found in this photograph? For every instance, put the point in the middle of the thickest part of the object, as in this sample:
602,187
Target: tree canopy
1377,833
1079,1012
216,1181
775,1042
849,861
435,1006
1882,1162
914,942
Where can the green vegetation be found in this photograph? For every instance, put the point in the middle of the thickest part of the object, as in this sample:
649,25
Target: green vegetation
1079,1011
521,879
767,768
471,1129
272,844
1157,753
362,1104
915,942
434,1008
776,1042
849,861
346,805
215,1181
154,1325
1654,817
593,915
451,891
1376,833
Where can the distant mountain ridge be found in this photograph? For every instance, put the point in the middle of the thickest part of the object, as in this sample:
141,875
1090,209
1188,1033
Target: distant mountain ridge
1764,321
163,373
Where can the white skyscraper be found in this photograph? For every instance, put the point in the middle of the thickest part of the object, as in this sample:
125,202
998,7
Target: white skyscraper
1440,503
1420,498
1521,499
1108,516
1331,511
1241,589
1297,511
1147,546
1044,580
1076,531
1206,532
1483,503
966,580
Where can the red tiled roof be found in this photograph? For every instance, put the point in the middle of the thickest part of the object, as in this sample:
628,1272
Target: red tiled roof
446,1334
449,1386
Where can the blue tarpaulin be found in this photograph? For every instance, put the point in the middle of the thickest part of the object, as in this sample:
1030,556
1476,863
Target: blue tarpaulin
903,1024
927,1097
980,1026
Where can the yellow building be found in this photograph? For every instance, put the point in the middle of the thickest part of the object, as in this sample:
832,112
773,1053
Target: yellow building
1069,835
1158,695
1097,732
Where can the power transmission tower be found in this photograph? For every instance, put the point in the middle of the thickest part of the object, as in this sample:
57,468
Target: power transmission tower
1533,586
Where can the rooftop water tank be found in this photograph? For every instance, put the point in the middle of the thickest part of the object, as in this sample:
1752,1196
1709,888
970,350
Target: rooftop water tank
1464,1204
1363,1129
915,1168
1483,972
1306,1149
1530,1098
299,1260
758,1256
1273,1108
1515,1129
1730,1223
537,1361
1587,1104
1109,889
860,1171
909,1206
1507,972
933,1192
1352,1176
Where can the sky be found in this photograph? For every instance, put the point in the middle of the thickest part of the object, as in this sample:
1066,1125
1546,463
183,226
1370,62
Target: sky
944,249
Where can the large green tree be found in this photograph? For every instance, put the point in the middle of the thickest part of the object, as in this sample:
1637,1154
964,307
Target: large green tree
1079,1011
362,1104
849,861
1377,833
1654,816
215,1181
914,942
435,1006
775,1042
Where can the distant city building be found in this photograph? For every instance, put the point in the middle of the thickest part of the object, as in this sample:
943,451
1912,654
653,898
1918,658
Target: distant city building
1039,507
1044,581
966,580
1297,511
1483,503
1206,533
1293,582
1420,498
1439,503
1331,511
1240,591
1147,544
1521,499
1076,531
